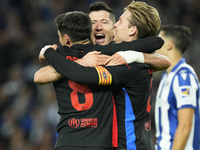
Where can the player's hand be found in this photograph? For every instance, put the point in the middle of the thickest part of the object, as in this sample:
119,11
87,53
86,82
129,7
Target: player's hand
93,59
42,51
114,60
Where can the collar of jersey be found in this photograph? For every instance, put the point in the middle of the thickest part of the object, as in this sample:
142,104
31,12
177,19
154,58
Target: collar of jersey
178,64
80,47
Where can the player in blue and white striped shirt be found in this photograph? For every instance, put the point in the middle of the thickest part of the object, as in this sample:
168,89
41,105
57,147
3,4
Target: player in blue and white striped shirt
177,100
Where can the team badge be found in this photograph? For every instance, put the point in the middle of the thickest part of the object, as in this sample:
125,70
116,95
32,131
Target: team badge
73,123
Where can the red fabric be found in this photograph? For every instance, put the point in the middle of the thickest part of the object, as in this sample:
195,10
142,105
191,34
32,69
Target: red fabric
114,127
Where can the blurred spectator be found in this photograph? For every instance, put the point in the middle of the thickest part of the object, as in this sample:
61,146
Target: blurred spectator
29,112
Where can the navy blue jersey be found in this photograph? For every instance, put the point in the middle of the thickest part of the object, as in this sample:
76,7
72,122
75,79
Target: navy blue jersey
86,111
133,105
132,87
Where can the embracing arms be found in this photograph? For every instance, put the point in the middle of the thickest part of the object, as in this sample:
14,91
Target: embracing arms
156,61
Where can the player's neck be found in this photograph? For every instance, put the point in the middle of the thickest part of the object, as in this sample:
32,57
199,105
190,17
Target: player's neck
83,42
174,62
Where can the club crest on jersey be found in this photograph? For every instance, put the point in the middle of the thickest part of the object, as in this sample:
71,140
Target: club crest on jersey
147,125
73,123
185,92
83,122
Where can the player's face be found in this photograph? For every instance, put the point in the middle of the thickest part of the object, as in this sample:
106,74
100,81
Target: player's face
121,28
102,27
166,45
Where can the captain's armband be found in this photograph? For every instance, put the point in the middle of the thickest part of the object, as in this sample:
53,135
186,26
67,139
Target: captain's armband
105,78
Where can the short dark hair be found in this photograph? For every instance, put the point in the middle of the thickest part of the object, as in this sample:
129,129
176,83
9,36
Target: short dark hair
98,6
180,35
77,25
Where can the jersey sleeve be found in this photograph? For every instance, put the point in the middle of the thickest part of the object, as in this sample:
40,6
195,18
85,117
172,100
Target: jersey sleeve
76,72
185,89
124,74
94,75
146,45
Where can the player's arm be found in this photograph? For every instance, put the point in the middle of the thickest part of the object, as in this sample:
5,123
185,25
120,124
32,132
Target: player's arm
91,75
146,45
157,61
185,118
132,49
70,69
46,75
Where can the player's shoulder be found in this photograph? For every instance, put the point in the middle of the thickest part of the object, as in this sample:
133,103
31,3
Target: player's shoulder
140,66
63,49
186,74
184,68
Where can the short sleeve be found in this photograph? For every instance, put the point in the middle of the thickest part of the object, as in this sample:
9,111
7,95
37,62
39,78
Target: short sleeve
185,89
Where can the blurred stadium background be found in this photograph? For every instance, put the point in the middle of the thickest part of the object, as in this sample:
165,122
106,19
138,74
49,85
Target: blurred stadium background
28,112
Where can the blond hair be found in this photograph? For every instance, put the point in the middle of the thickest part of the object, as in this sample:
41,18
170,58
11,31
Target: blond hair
145,18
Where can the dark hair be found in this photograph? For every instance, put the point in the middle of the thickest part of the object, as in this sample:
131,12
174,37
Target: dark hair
180,35
98,6
77,25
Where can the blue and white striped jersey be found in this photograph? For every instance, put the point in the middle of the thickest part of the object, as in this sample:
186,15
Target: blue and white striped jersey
178,89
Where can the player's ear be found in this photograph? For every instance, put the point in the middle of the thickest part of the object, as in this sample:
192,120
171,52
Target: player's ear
170,45
133,31
67,39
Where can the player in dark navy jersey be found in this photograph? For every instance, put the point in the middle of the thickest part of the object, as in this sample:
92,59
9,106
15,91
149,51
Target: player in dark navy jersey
136,81
86,111
132,103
